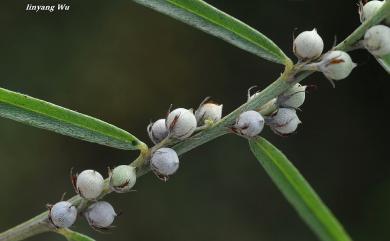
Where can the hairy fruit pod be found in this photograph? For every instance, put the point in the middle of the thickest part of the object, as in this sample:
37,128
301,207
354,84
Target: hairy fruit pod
377,40
284,122
157,131
336,65
100,214
63,214
249,124
308,45
89,184
164,162
208,112
181,123
123,178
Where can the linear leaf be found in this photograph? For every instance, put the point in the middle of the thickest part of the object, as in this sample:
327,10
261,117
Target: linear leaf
45,115
209,19
73,235
385,62
298,191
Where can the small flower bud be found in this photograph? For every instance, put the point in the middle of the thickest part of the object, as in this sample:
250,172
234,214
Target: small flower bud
377,40
208,111
336,65
123,178
285,121
369,9
157,131
63,214
100,214
249,124
90,184
293,97
308,45
164,162
181,123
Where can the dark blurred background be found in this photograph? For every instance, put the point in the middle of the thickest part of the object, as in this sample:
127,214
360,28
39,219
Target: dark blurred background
126,64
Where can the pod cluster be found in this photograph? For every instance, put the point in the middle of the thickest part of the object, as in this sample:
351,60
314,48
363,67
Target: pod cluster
334,64
377,38
90,185
279,114
179,124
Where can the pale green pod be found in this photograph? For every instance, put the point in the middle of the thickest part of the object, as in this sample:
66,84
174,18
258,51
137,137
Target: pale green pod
293,97
123,178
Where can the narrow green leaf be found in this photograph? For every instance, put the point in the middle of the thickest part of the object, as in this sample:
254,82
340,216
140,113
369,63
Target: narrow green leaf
298,192
73,235
42,114
385,62
209,19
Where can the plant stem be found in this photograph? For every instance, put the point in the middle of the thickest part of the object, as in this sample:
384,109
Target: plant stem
32,227
291,76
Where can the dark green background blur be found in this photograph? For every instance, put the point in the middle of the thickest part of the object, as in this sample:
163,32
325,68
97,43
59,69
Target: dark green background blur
126,64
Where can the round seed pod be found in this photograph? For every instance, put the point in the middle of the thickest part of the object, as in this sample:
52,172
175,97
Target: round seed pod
336,65
249,123
208,112
123,178
90,184
100,214
294,97
369,9
157,131
63,214
308,45
181,123
377,40
164,162
285,121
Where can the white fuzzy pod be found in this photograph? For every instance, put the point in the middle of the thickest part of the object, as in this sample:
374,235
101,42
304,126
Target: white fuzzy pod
100,214
369,9
336,65
285,121
90,184
308,45
208,111
164,161
63,214
293,97
123,178
377,40
181,123
157,131
249,123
